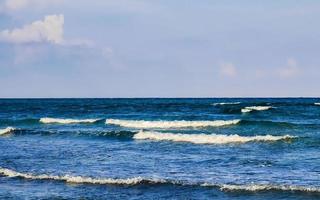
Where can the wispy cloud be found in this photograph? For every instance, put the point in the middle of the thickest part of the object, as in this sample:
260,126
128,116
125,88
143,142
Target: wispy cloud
48,30
290,70
16,5
228,69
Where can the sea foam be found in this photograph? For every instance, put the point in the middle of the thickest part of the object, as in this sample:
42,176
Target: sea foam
264,187
48,120
317,104
226,103
140,180
205,138
169,124
255,108
80,179
6,130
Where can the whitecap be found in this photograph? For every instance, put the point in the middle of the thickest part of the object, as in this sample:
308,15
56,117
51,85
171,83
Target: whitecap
265,187
140,180
6,130
226,103
80,179
255,108
48,120
170,124
206,138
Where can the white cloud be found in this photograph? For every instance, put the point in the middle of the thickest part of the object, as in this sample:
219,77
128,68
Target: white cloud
49,30
228,69
290,70
16,5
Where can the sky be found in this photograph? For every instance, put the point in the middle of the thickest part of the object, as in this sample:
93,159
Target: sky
159,48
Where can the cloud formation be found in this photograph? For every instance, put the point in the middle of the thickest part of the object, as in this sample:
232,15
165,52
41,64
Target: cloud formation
49,30
16,5
290,70
228,69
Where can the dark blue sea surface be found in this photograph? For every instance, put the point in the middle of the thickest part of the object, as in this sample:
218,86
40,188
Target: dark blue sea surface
160,148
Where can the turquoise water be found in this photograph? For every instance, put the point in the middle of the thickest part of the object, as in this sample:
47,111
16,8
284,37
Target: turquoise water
160,148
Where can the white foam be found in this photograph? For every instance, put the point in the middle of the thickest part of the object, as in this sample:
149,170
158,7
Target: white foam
256,187
255,108
226,103
169,124
204,138
79,179
6,130
317,104
140,180
48,120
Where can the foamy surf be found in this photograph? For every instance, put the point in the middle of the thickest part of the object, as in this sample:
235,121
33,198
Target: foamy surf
317,104
264,187
6,130
140,124
139,180
206,139
255,108
226,103
48,120
80,179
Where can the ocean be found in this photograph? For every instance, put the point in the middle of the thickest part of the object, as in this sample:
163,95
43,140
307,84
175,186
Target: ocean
153,148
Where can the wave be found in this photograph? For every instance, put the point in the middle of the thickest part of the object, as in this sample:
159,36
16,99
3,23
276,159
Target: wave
155,181
6,130
317,104
255,108
80,179
169,124
226,103
265,187
48,120
204,138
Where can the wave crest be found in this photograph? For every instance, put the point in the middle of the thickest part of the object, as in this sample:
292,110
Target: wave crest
256,188
6,130
170,124
255,108
204,138
48,120
80,179
226,103
152,181
317,104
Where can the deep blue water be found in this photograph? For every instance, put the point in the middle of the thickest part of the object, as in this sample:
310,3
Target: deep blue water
160,149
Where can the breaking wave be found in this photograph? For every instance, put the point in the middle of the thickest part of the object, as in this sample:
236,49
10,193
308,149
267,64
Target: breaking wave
226,103
170,124
206,139
80,179
317,104
265,187
6,130
255,108
48,120
154,181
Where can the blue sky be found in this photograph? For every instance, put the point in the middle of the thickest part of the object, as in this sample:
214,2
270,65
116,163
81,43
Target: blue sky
161,48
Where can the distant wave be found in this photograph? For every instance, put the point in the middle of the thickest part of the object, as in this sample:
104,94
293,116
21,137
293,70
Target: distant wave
255,108
317,104
265,187
169,124
48,120
6,130
154,181
204,138
80,179
226,103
